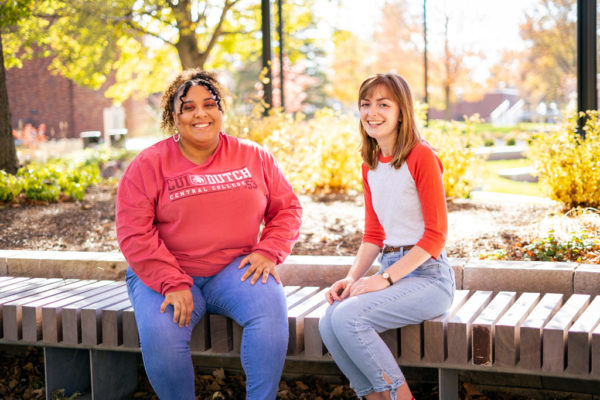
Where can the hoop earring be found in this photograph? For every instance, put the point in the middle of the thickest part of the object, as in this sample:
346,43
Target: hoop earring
176,137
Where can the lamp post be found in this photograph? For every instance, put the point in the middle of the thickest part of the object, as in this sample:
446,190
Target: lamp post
280,34
266,55
426,88
587,91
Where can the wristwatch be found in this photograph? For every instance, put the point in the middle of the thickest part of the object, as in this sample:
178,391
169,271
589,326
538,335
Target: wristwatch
385,275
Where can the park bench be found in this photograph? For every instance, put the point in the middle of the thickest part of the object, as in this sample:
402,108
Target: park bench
88,332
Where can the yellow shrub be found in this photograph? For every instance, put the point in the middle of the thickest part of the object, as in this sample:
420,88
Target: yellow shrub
319,155
569,167
453,142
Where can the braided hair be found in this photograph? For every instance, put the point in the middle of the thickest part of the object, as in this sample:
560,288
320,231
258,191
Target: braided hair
178,89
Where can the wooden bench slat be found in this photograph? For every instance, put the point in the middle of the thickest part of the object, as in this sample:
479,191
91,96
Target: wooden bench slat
595,352
11,307
26,288
434,330
555,332
506,334
299,296
221,333
313,345
459,326
579,337
91,319
10,281
296,320
391,338
530,333
52,312
130,332
32,311
71,314
112,331
287,290
482,329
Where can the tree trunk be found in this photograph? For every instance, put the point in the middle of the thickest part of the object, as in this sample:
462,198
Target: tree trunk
188,52
8,153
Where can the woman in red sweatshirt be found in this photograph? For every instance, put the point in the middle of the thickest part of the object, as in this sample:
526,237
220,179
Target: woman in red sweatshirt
189,213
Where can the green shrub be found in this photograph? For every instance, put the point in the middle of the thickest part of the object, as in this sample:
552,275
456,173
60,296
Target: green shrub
568,166
68,176
580,247
10,186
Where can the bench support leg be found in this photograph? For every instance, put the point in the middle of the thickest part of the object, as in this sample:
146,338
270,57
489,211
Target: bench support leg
448,384
67,369
114,374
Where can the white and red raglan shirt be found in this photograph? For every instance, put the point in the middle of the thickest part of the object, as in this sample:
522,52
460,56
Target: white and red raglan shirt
176,219
406,206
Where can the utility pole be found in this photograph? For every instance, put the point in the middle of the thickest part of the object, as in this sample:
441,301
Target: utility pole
587,91
280,34
266,55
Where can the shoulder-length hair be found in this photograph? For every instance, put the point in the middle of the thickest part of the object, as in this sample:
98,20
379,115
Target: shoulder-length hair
408,134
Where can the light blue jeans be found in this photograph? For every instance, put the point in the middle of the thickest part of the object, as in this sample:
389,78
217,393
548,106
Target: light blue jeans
260,309
350,328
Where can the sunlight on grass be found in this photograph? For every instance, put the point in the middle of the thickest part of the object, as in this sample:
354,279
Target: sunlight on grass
491,182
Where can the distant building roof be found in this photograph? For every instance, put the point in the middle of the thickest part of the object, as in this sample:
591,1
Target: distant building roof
483,107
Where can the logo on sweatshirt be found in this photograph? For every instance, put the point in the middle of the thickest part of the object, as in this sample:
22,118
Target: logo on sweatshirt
195,184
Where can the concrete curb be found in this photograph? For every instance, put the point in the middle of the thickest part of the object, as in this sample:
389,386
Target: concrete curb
518,276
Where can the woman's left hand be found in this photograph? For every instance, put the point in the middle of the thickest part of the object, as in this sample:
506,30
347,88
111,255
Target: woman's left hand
259,265
368,284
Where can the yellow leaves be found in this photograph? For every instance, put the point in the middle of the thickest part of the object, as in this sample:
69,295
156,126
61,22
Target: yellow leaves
319,155
567,165
453,142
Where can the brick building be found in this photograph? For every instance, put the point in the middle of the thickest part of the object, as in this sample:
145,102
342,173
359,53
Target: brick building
37,96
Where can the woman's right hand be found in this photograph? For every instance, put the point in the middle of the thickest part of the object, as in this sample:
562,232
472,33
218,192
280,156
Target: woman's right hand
183,305
339,290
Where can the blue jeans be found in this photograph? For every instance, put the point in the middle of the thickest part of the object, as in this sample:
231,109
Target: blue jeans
260,309
350,328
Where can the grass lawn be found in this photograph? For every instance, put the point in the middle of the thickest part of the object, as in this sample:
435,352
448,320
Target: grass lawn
491,182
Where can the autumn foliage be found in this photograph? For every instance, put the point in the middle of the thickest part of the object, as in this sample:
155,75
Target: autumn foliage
321,154
569,166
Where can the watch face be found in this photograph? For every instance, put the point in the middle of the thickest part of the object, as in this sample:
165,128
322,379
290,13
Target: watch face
385,275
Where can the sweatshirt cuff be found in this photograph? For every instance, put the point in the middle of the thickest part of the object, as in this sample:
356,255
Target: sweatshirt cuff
170,289
268,255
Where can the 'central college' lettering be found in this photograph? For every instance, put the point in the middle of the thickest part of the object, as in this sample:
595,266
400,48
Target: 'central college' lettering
189,185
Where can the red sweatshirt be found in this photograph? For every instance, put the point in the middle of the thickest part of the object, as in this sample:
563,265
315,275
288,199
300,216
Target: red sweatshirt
176,219
406,206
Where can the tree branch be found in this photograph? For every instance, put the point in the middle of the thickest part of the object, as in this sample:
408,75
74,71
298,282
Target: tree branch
217,32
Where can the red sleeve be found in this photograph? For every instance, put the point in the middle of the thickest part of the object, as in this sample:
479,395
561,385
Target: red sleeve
426,169
138,237
283,215
374,232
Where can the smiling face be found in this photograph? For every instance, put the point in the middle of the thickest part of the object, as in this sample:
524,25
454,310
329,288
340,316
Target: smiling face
200,120
379,116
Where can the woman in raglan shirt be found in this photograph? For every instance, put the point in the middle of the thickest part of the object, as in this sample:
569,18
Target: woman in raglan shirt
189,213
405,222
